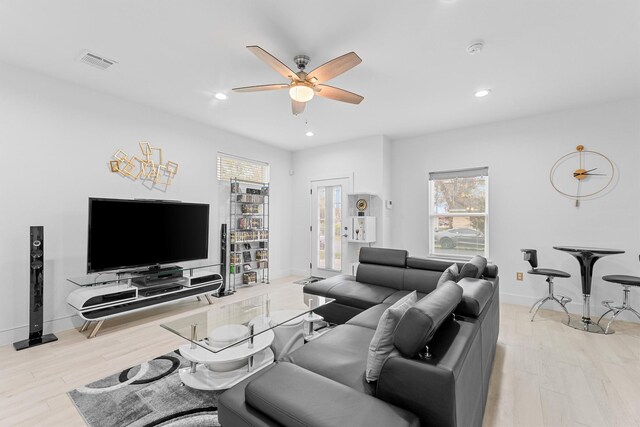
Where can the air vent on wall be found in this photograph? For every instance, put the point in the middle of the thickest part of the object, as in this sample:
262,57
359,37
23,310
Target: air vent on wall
96,60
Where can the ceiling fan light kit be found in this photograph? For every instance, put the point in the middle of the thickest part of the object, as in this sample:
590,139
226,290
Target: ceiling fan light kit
303,86
301,92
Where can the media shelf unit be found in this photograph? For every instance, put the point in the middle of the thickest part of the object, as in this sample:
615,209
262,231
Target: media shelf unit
103,296
248,241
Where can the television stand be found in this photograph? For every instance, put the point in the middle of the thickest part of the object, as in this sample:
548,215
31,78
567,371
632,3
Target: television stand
104,296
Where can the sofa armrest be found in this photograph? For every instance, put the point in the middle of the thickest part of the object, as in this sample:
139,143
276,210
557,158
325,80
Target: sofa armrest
424,387
476,293
294,396
444,390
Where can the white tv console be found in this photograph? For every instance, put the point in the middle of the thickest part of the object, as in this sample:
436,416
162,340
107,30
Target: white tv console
104,296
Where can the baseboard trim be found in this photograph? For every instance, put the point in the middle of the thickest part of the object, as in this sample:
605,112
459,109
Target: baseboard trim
19,333
300,272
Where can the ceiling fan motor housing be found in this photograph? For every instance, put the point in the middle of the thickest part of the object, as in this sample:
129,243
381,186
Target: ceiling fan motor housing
301,61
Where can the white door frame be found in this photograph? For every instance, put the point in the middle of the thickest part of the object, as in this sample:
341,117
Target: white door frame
312,255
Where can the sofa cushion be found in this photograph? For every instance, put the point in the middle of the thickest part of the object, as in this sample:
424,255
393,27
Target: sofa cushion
450,274
371,316
340,354
382,275
476,293
420,322
382,342
435,265
382,256
322,287
420,280
428,263
394,297
303,399
361,295
233,409
337,313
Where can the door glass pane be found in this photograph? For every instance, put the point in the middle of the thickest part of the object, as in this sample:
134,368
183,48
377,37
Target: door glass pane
337,227
321,226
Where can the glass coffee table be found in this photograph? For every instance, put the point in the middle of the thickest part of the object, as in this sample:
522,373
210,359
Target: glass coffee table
228,343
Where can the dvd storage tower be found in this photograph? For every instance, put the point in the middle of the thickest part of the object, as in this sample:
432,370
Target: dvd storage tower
36,292
248,233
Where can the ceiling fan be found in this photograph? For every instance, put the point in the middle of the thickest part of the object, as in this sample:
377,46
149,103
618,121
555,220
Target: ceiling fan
304,86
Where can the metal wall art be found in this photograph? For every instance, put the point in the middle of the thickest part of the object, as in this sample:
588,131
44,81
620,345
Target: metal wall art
149,167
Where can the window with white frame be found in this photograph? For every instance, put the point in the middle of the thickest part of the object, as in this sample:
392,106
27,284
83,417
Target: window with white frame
459,212
242,169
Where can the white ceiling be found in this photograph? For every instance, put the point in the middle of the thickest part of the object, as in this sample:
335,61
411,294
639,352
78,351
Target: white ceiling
416,77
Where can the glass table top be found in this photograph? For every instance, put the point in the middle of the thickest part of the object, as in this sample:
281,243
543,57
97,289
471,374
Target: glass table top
224,326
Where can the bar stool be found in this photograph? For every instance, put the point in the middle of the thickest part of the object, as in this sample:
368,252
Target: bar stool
531,255
626,282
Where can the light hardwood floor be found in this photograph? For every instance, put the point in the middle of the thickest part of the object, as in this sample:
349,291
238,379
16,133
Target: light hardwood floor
545,374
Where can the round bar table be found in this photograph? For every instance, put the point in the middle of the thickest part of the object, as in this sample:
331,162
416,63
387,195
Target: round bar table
586,257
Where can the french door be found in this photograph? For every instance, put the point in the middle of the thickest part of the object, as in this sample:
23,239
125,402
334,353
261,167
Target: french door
328,221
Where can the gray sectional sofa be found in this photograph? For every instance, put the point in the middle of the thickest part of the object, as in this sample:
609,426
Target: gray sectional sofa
323,383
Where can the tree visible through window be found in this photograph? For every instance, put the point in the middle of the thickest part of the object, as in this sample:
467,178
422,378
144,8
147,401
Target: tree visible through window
458,212
242,169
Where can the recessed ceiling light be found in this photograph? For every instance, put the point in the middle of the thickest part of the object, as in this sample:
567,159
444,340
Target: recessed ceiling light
221,96
309,133
482,93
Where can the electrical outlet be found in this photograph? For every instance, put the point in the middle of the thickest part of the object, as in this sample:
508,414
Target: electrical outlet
519,276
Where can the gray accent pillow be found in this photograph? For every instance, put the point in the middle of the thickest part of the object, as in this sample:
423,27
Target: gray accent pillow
450,273
481,263
468,270
382,342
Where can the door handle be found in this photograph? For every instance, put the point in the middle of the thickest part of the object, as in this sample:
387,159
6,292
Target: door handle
345,235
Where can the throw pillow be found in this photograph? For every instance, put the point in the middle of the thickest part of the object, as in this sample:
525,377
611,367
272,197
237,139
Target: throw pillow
480,263
382,342
468,270
450,273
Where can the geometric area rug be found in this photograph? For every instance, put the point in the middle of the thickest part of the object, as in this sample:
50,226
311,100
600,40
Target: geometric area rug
150,394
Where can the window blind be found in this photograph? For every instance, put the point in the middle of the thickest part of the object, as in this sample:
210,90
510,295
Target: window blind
461,173
242,169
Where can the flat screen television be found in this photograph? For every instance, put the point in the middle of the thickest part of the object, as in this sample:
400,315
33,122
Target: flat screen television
124,234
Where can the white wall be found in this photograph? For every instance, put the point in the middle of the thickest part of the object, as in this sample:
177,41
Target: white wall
525,211
362,159
56,139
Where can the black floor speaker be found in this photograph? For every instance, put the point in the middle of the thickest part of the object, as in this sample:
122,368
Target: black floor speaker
36,296
224,270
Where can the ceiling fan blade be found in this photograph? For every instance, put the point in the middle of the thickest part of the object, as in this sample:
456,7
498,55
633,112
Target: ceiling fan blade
334,68
297,107
337,94
274,63
260,88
